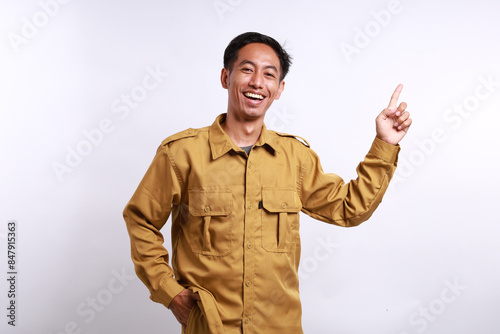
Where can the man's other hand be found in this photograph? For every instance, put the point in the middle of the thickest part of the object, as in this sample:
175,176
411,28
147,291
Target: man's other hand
393,123
182,304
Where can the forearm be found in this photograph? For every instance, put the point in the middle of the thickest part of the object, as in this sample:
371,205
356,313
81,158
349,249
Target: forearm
352,203
150,257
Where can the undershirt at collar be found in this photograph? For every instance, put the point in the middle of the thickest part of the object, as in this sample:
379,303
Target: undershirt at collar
247,148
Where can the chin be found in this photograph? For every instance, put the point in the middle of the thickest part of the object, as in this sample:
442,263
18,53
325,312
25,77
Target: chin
253,114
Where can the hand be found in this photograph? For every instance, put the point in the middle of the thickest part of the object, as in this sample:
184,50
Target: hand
182,304
393,123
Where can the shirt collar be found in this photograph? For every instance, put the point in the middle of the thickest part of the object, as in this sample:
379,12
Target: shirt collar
220,143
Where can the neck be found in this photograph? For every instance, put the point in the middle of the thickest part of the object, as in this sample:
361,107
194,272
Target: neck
242,132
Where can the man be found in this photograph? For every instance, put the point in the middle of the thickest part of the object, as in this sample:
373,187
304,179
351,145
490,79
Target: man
235,190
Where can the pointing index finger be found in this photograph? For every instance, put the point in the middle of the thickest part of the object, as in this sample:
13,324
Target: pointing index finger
395,96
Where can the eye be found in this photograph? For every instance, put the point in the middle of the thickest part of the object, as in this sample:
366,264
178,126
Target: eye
246,69
269,74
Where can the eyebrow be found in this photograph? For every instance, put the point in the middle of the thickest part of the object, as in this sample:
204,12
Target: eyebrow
253,64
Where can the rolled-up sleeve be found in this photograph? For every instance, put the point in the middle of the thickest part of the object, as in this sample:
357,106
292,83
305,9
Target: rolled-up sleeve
328,198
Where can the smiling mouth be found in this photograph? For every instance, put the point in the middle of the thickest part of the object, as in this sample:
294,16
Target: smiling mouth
254,96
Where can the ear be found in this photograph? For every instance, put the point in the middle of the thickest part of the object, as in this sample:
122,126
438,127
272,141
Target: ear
224,78
280,90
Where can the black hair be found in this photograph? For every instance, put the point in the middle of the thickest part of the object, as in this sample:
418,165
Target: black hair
231,52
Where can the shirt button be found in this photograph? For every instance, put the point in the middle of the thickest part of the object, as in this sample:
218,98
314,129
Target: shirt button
283,205
247,321
190,132
207,208
249,165
248,283
249,245
250,206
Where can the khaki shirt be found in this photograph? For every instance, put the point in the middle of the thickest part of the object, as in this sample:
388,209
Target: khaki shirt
235,223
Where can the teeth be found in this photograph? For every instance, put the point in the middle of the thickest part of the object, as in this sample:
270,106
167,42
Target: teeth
255,96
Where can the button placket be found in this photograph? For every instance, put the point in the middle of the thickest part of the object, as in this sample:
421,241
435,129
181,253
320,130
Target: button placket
252,197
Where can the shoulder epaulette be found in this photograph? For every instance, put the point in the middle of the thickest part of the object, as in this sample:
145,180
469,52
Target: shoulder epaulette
300,139
180,135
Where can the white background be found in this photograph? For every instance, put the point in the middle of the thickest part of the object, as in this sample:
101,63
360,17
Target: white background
436,227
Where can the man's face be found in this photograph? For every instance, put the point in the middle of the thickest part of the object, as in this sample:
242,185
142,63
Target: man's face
253,81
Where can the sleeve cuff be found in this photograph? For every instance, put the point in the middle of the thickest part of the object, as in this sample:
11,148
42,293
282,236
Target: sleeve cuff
385,151
169,288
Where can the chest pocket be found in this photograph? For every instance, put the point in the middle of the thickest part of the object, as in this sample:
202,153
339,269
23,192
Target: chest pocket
210,221
280,219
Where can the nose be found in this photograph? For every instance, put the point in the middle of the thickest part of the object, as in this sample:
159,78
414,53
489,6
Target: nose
257,80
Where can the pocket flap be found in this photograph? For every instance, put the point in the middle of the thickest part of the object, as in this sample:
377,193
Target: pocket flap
280,200
210,203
